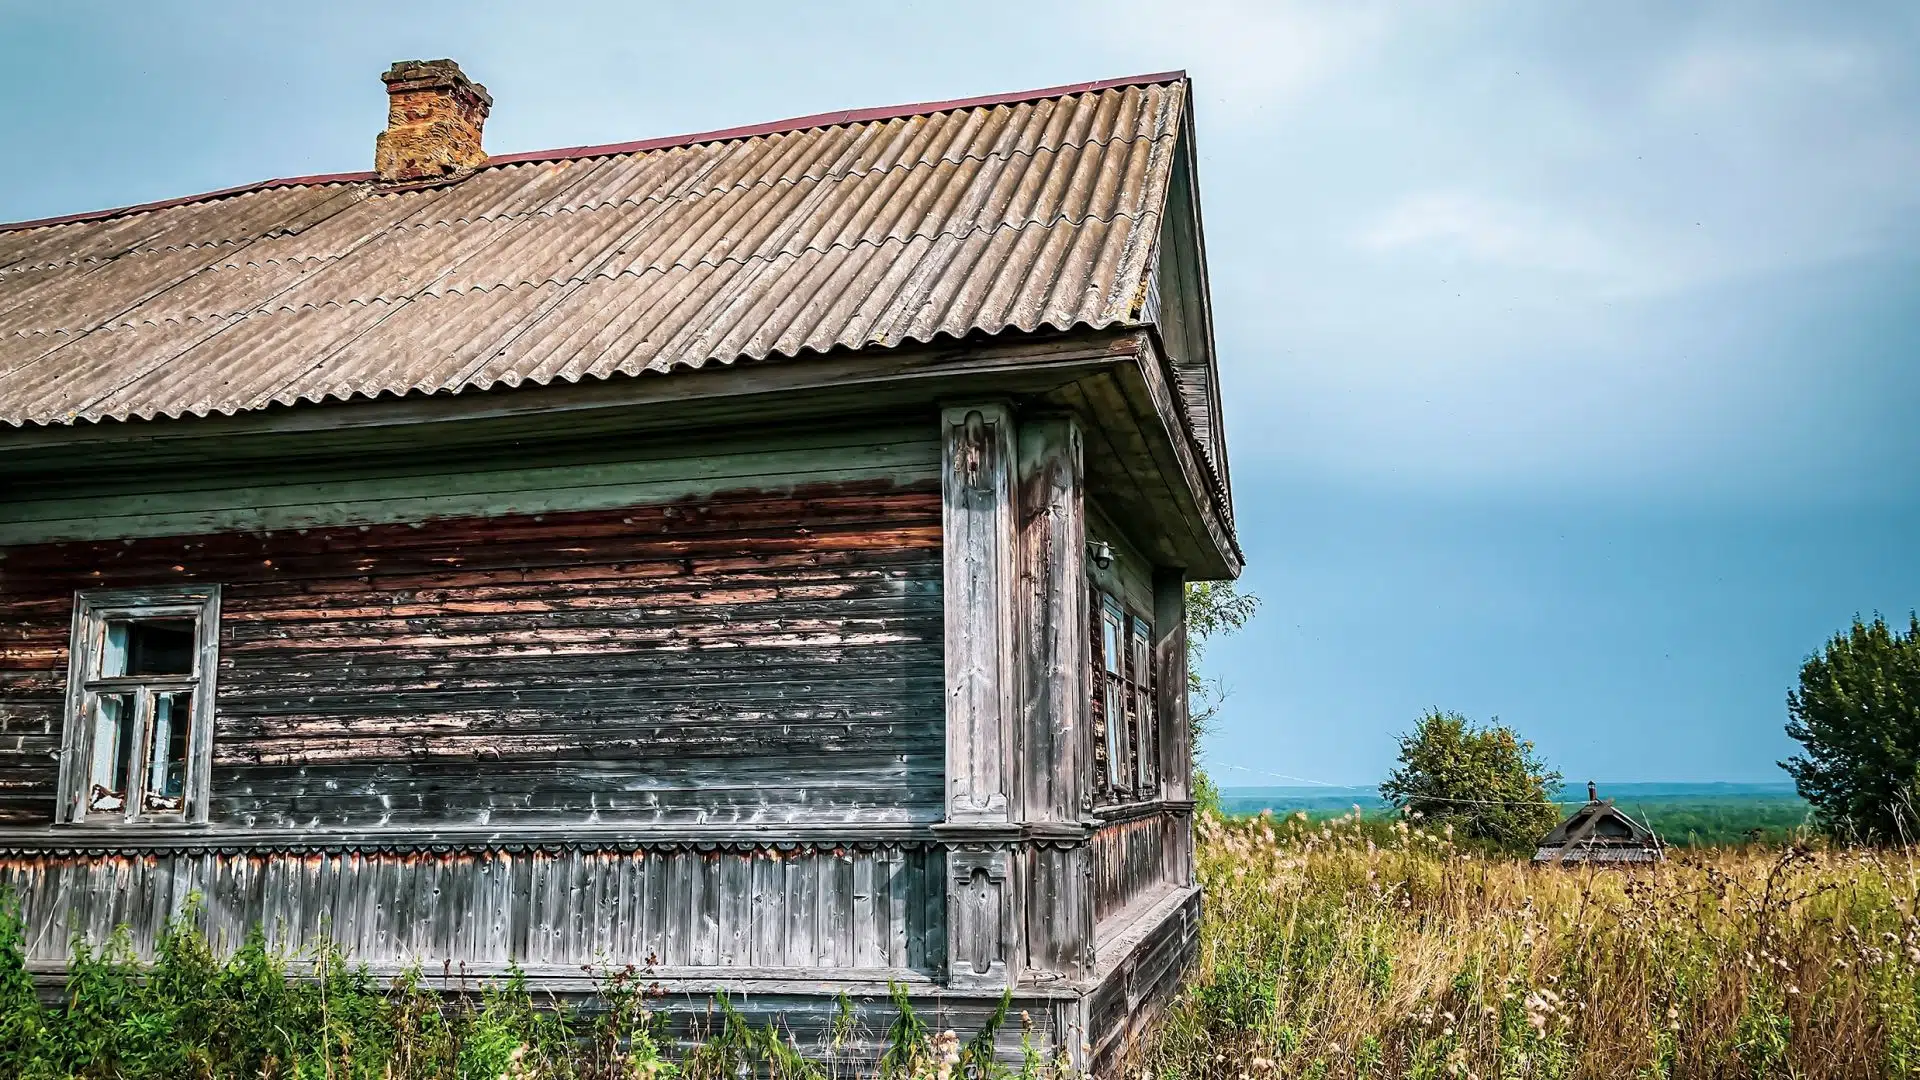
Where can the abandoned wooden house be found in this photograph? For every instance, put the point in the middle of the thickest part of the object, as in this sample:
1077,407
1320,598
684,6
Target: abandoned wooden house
757,554
1599,832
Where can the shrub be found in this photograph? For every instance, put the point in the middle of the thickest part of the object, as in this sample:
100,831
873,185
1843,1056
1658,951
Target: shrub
1857,714
1486,782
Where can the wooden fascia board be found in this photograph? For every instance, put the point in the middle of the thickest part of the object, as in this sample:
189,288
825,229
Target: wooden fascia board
841,388
1188,147
993,358
1187,473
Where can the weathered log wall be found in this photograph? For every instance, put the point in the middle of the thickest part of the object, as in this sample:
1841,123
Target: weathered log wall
1139,981
755,656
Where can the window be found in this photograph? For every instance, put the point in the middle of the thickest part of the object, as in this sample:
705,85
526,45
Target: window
1123,704
1147,732
1113,702
139,705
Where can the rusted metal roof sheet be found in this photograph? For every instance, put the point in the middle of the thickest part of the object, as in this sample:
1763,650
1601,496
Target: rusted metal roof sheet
870,230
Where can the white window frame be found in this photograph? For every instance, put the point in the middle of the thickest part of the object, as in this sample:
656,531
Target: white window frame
92,611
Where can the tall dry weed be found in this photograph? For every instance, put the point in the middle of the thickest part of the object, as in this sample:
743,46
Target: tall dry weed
1354,948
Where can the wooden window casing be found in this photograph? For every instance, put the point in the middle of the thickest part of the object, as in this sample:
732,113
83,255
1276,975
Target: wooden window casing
138,735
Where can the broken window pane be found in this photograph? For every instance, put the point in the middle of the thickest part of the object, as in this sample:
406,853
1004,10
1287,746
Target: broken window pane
111,752
147,647
1116,734
167,752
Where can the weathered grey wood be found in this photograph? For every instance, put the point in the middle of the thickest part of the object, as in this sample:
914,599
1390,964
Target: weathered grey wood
1055,758
978,554
1054,748
358,490
1059,901
981,909
979,520
403,907
599,698
1131,864
1140,977
1176,726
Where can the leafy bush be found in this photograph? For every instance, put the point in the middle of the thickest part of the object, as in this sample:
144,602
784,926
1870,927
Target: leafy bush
259,1015
1486,782
1857,713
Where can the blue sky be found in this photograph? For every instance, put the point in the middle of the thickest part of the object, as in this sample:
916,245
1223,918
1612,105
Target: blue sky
1570,354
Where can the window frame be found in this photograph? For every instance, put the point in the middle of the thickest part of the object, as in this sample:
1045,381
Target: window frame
1146,720
1113,698
1121,699
93,610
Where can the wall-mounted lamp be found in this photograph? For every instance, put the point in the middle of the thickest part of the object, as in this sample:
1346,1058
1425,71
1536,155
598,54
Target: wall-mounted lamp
1102,553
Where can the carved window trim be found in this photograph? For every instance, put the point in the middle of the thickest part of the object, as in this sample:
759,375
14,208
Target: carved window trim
140,712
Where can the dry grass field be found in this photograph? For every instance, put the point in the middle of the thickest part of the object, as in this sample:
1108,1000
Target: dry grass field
1366,949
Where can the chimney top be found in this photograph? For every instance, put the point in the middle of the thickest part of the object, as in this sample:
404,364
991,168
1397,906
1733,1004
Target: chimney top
434,118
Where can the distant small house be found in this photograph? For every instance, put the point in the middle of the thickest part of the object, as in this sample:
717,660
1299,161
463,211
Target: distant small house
757,554
1599,832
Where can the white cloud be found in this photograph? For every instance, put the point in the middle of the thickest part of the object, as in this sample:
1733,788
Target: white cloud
1488,230
1249,55
1736,75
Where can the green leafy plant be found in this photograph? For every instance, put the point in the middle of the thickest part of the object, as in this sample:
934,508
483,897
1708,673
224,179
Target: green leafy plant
1213,609
1486,782
1856,713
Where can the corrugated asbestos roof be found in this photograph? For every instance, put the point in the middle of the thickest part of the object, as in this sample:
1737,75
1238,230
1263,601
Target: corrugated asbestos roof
875,230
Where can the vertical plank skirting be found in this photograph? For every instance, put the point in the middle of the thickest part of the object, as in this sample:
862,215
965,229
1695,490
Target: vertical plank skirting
672,908
977,537
1130,861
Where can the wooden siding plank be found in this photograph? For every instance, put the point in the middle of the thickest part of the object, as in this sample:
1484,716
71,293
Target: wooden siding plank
357,494
467,672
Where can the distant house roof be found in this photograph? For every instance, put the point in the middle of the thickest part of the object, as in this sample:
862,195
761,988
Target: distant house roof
1029,211
1599,832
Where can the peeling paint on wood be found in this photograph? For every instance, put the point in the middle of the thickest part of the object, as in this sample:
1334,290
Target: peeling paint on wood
757,656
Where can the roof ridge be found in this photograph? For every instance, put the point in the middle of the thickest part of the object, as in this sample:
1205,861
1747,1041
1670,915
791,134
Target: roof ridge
575,153
698,192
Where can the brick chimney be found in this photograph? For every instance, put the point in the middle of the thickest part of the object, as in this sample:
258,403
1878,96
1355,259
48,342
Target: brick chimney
434,116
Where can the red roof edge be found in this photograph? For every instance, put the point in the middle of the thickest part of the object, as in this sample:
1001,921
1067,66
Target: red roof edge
830,119
162,204
574,153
